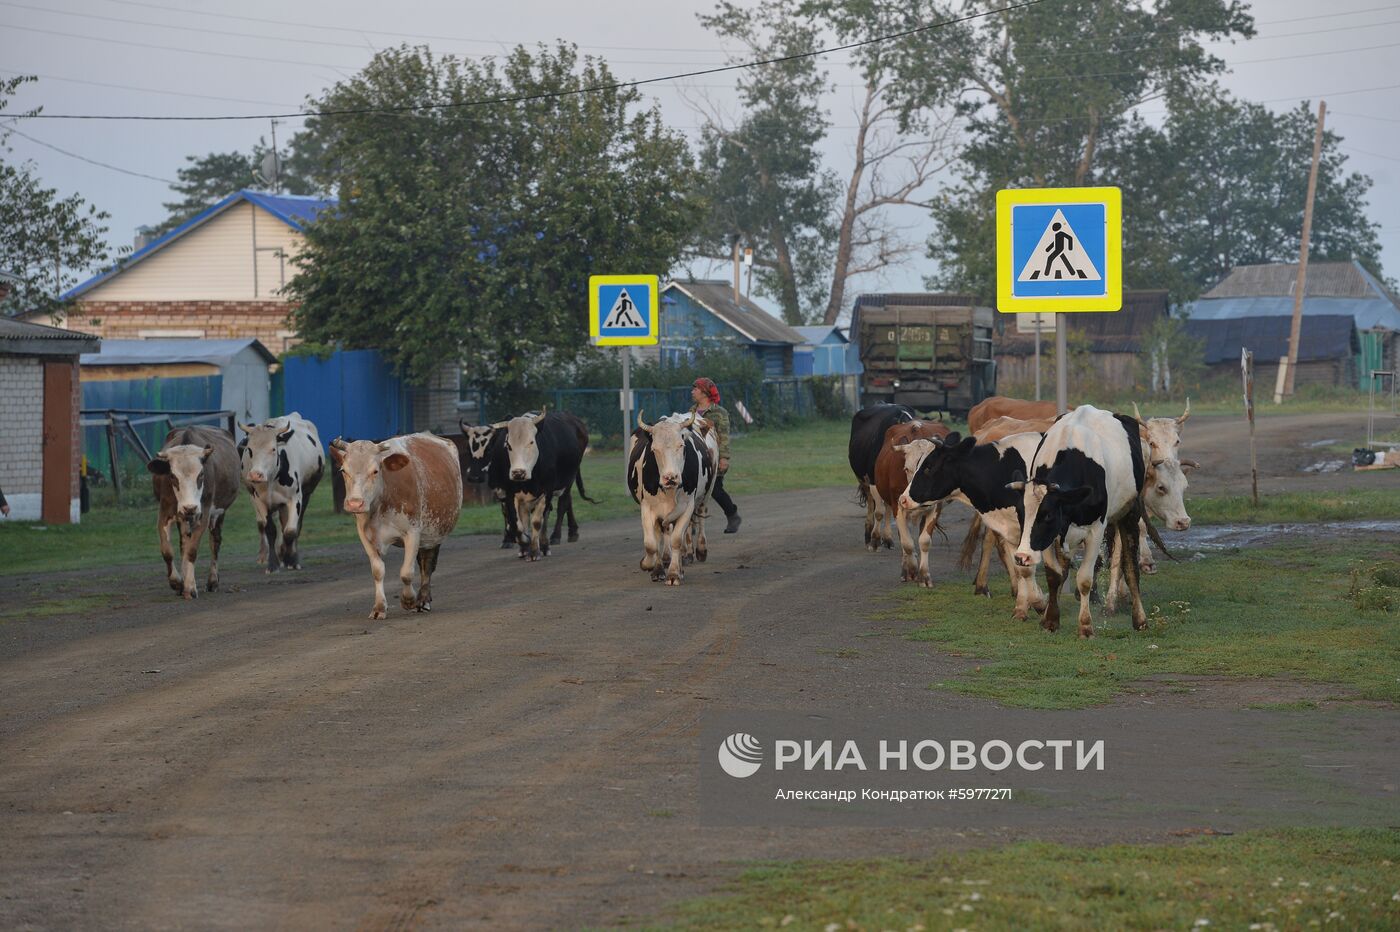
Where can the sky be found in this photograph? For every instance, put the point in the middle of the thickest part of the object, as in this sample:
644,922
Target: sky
213,57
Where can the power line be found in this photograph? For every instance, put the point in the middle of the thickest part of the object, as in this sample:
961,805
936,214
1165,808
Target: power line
150,90
521,98
1374,155
83,158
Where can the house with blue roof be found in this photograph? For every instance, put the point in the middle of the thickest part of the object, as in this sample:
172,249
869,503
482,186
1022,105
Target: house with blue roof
1350,327
219,275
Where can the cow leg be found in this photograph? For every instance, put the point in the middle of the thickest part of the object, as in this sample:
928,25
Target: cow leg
1128,536
427,565
522,524
1147,563
651,557
291,530
216,540
1115,569
1054,578
887,526
573,521
990,542
566,504
163,524
674,572
260,512
1084,579
269,541
908,569
539,524
508,515
925,539
1018,576
376,568
408,595
871,542
702,548
189,551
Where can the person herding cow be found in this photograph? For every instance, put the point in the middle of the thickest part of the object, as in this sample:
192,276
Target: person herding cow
406,491
705,395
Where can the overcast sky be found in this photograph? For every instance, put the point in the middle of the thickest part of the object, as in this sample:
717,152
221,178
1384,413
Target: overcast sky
259,56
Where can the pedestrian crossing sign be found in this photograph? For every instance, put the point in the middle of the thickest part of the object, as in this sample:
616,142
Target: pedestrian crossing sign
623,309
1059,249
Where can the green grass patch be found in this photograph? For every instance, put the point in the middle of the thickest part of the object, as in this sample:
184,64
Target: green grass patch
809,456
46,608
1288,879
1279,611
1294,507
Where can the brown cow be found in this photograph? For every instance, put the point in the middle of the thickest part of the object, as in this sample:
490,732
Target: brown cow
997,406
406,491
904,447
195,478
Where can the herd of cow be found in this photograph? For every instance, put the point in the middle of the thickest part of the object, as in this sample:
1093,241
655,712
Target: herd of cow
1043,488
407,491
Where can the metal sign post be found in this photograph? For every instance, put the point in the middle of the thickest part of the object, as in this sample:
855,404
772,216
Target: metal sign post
624,311
1059,250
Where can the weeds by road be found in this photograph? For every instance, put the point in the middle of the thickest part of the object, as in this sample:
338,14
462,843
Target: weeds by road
1287,879
1285,611
1294,507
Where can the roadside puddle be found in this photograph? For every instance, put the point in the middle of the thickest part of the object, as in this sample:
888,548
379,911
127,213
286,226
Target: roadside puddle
1227,536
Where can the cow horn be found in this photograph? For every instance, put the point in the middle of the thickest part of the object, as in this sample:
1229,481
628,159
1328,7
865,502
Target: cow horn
247,428
1191,464
641,424
500,425
1138,414
338,444
690,421
543,411
1185,414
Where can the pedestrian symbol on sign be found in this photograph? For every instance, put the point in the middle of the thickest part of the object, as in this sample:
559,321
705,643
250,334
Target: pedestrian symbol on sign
623,313
1059,255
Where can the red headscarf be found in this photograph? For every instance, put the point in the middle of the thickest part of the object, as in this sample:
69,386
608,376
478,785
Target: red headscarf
709,388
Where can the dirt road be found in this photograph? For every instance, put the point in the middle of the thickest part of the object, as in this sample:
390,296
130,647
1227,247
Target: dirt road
525,756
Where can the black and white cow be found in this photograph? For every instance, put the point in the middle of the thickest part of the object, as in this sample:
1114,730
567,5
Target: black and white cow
868,427
280,464
978,474
1087,475
543,456
670,472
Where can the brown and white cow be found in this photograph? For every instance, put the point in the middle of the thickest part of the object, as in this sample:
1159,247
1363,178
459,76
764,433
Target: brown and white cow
195,479
406,491
989,409
904,447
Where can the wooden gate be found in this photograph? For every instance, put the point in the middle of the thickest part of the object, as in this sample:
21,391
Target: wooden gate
57,499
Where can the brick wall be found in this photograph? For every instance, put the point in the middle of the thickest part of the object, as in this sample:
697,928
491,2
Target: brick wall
22,434
212,320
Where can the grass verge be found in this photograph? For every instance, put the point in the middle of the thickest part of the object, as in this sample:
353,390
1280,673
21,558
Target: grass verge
1285,611
1294,507
1288,879
809,456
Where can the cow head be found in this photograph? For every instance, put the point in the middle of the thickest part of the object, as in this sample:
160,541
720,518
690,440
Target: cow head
260,451
521,444
935,477
479,443
184,465
1049,511
1162,433
667,448
362,464
1164,492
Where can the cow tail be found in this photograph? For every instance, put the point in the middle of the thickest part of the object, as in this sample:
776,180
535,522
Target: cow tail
578,480
1157,538
970,543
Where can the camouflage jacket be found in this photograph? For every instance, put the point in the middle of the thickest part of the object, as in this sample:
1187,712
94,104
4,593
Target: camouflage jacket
718,417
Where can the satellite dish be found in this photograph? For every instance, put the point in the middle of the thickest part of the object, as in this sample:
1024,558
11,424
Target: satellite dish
270,170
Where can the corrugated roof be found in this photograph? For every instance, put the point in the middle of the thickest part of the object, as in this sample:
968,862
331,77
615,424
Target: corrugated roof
157,352
1109,332
1325,280
293,210
819,335
22,337
914,299
1369,313
1323,336
744,316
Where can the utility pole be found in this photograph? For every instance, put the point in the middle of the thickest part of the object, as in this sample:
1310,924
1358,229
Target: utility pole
1295,332
736,268
276,163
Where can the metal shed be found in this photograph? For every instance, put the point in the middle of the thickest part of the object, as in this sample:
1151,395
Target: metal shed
174,375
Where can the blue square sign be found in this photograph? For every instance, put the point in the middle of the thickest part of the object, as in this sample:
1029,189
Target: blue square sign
1059,249
622,309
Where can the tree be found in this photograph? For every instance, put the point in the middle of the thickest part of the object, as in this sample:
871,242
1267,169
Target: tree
762,174
208,179
469,230
48,241
1223,183
1046,90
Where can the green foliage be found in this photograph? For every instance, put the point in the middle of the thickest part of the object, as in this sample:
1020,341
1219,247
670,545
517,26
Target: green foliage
1283,879
470,230
208,179
762,179
46,240
1201,621
1375,586
1053,86
1172,361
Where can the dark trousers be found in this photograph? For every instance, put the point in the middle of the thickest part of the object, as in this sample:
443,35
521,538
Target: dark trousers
726,503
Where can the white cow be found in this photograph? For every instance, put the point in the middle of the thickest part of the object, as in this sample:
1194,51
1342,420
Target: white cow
280,462
670,472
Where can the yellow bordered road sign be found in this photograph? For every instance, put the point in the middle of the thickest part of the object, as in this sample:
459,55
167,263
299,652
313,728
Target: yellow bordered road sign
623,309
1059,249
